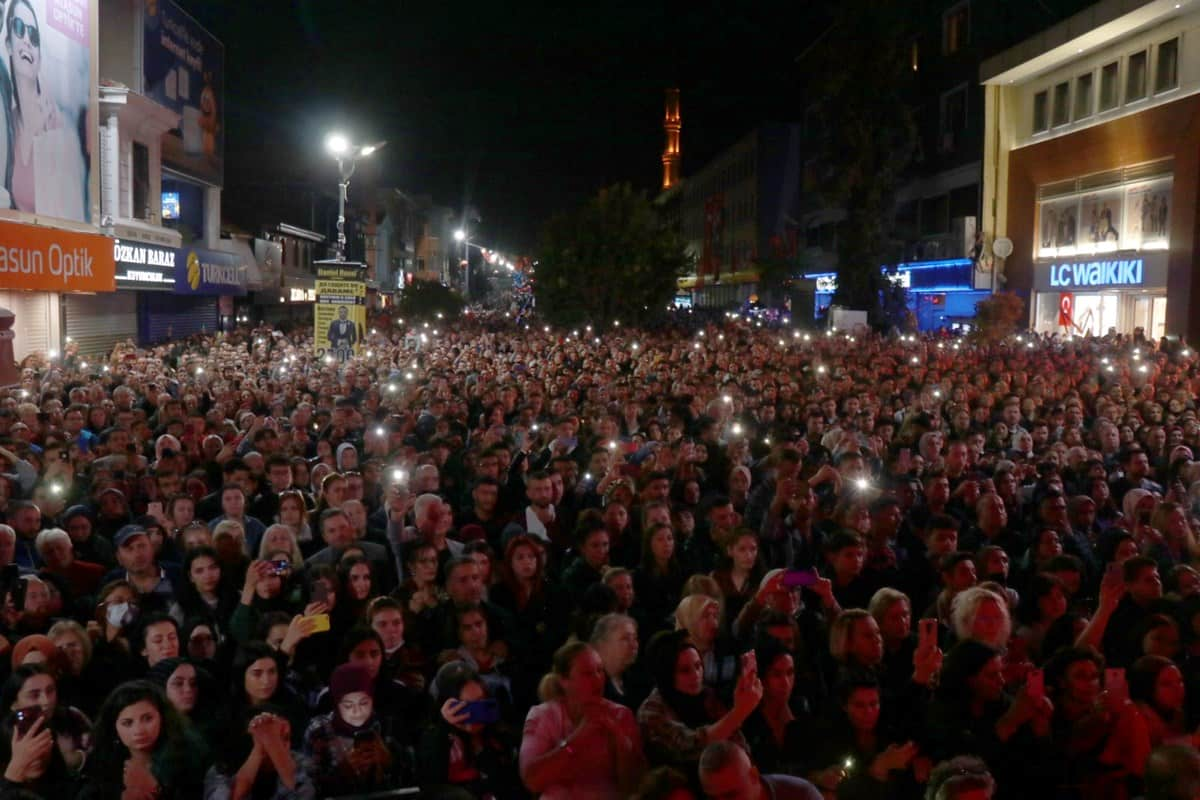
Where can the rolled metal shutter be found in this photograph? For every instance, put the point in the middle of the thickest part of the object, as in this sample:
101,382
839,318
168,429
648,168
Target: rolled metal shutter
169,317
35,319
96,322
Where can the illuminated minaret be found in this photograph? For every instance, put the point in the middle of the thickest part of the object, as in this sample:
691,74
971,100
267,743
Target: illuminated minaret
670,157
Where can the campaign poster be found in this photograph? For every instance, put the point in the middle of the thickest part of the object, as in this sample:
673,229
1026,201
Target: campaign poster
340,313
47,57
184,69
1058,224
1100,218
1148,215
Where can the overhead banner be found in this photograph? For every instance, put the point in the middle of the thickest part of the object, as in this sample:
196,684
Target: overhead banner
52,260
184,68
340,313
46,93
208,272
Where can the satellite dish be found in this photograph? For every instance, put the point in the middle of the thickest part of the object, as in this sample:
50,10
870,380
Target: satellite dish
1002,247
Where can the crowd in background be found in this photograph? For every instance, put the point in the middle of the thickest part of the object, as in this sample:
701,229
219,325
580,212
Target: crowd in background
492,560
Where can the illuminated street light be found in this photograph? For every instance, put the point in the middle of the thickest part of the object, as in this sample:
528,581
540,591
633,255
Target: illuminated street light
338,145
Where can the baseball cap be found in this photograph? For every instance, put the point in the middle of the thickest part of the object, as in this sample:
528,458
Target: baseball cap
128,532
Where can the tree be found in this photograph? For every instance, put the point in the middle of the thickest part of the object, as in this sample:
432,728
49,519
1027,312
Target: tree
998,316
860,70
422,300
610,260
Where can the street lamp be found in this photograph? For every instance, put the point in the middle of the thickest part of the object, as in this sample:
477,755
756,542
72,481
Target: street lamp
347,156
460,235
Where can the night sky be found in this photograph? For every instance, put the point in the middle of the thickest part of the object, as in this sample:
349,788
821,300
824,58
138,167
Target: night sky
521,109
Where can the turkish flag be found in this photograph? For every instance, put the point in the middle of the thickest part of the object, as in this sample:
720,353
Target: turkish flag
1066,309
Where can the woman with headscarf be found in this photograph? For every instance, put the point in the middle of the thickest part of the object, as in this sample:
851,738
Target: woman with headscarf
681,716
346,746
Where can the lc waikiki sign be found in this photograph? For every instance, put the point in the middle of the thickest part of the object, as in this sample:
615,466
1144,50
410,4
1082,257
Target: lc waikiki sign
1086,274
42,259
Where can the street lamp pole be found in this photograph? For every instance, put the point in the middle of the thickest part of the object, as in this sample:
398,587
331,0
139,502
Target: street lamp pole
347,156
460,235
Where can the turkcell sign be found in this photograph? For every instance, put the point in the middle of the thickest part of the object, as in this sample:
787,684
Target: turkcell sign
1115,272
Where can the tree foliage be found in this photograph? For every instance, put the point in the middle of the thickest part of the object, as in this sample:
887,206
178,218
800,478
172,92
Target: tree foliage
860,73
612,259
999,316
422,300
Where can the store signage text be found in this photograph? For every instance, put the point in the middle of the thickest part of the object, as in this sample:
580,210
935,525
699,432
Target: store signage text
64,263
1116,272
303,295
145,256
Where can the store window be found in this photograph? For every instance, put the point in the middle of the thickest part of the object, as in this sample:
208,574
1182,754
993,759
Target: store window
1062,104
1109,94
1083,96
956,28
1166,66
1135,77
1127,209
953,119
190,199
140,189
1041,112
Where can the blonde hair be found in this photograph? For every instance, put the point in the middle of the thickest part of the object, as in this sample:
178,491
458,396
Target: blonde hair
707,585
72,628
229,527
839,631
691,609
966,606
883,600
293,548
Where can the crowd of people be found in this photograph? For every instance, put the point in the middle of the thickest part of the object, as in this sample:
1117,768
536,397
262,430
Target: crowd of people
712,559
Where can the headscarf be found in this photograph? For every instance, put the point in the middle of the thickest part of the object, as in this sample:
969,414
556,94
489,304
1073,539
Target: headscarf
663,654
342,448
1130,503
347,679
691,609
37,642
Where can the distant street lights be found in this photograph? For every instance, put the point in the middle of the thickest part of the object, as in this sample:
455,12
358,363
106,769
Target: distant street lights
347,156
460,235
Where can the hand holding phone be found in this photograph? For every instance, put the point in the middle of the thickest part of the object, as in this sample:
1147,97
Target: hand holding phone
1115,684
320,623
1035,684
927,634
794,578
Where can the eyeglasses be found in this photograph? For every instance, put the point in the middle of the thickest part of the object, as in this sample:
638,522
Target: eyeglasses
20,27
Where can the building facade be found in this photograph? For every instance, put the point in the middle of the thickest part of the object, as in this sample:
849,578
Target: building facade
1092,170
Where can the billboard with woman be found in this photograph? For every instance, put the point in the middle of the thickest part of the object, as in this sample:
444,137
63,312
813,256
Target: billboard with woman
46,91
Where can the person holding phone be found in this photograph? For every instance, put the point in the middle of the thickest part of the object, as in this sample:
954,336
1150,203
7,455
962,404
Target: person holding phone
347,749
467,746
576,743
31,704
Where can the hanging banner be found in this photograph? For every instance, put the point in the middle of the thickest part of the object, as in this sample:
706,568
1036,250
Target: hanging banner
1066,309
340,313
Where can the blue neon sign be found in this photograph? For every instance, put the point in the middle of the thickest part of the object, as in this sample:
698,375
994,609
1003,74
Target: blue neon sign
1113,272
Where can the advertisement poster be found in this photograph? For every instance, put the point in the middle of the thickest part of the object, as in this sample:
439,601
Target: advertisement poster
46,88
185,71
1148,215
1058,224
340,313
1100,216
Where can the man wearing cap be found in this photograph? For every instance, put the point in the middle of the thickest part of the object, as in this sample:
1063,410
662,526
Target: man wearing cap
139,567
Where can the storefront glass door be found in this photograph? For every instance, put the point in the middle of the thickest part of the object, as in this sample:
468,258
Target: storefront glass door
1150,314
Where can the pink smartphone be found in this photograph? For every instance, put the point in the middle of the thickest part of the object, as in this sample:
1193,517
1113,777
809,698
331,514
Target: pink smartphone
1035,683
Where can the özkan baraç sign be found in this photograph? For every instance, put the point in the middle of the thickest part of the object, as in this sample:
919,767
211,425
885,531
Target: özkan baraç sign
51,260
144,266
340,313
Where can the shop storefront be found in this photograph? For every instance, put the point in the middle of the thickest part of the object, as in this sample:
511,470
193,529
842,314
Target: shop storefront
1096,295
202,279
43,272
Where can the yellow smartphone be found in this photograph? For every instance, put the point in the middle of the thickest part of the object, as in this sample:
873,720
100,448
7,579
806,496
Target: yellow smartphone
322,622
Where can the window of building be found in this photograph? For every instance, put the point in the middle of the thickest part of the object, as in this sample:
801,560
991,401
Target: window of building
1166,66
953,119
1062,104
141,181
1041,112
935,215
1135,77
1109,96
1083,96
956,28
